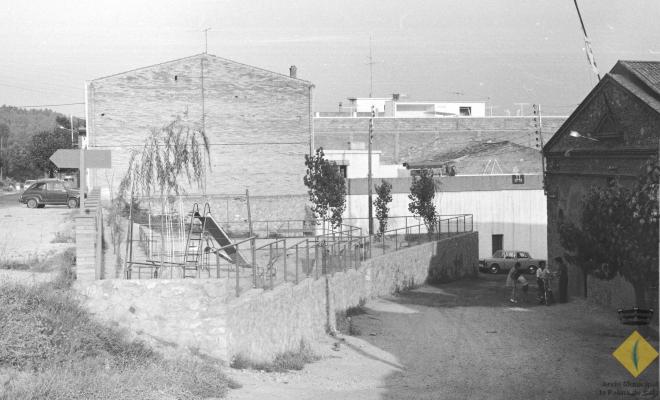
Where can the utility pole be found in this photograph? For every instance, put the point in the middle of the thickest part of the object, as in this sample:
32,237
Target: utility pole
206,40
369,177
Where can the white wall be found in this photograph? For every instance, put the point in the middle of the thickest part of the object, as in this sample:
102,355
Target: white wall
358,163
519,215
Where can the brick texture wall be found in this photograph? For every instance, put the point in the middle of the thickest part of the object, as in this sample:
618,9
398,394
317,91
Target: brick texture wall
409,139
257,121
589,164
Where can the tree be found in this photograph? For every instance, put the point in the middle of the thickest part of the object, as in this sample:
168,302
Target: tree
327,188
44,144
384,193
618,233
169,154
4,136
422,192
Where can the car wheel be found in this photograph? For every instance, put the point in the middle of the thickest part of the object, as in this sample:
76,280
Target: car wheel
532,269
72,203
32,203
494,269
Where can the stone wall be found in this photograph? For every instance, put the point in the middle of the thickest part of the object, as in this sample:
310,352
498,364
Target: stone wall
204,316
170,315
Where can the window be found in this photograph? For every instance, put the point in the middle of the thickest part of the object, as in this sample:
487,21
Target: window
56,186
465,111
522,254
497,241
509,254
343,169
39,186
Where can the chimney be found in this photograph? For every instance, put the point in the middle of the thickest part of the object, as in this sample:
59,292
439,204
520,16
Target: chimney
395,96
293,71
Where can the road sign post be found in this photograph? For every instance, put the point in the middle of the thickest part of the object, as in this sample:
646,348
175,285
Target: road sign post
82,159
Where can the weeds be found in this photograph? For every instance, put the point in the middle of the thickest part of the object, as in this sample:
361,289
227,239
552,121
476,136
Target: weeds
287,361
51,348
64,237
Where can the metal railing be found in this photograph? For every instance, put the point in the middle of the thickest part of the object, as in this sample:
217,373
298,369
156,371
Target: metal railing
249,264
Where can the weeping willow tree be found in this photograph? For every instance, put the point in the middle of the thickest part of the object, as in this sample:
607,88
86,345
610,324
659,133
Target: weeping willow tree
171,158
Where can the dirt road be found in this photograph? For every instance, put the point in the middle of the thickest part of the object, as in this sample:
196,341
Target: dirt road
465,341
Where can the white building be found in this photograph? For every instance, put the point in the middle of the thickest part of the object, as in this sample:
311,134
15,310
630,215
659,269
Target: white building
507,215
395,107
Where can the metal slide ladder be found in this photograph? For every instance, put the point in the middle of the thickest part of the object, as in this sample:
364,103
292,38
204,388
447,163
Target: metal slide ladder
194,247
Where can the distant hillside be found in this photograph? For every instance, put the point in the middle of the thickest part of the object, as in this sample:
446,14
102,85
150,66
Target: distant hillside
24,123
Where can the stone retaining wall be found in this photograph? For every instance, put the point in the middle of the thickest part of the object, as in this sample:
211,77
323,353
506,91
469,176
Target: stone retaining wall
204,316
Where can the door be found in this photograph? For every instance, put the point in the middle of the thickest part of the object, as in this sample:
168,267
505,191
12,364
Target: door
56,193
497,243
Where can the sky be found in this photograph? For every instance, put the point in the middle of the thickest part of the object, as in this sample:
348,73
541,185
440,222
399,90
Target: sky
502,52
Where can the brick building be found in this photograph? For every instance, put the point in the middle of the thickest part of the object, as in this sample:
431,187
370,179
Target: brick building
618,128
258,122
412,139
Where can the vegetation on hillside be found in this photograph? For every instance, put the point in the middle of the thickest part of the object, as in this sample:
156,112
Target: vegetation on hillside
50,348
31,137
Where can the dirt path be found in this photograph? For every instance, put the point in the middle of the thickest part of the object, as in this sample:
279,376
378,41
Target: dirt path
464,341
27,234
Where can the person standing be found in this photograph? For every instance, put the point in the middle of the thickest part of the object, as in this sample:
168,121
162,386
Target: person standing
563,279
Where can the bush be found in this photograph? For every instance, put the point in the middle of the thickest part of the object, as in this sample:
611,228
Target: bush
51,348
287,361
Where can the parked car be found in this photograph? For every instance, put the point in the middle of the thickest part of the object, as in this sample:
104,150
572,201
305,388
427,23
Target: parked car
50,192
504,260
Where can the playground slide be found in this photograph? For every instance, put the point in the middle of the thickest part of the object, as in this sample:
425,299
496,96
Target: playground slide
222,238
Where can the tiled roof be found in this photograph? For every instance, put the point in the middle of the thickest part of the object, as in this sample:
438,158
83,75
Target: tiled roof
647,71
474,158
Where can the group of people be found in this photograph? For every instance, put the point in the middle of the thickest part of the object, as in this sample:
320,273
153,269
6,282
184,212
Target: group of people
543,272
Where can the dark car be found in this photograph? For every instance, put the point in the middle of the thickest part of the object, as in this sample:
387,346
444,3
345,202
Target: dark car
50,192
504,260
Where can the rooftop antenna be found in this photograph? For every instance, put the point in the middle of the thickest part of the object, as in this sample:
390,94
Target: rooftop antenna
371,69
206,40
587,43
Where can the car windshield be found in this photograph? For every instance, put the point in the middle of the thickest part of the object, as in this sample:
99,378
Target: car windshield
497,254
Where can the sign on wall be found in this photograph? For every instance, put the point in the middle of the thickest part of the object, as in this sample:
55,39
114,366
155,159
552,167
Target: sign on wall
518,179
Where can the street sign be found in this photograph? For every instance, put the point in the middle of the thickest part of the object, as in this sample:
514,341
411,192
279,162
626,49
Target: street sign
70,158
518,179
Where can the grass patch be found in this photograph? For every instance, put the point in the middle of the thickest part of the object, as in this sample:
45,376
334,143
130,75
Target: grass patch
287,361
50,348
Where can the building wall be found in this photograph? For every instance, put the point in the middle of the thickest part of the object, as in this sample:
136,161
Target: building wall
407,139
518,212
257,121
574,165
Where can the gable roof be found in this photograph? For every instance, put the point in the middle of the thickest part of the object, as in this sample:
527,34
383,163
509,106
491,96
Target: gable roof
304,82
647,72
640,78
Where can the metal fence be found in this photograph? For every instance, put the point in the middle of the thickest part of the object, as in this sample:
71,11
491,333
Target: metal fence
269,263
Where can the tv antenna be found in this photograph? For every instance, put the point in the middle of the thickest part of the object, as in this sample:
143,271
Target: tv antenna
206,40
371,69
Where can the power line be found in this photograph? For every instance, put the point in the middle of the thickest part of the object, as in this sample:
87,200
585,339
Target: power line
49,105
